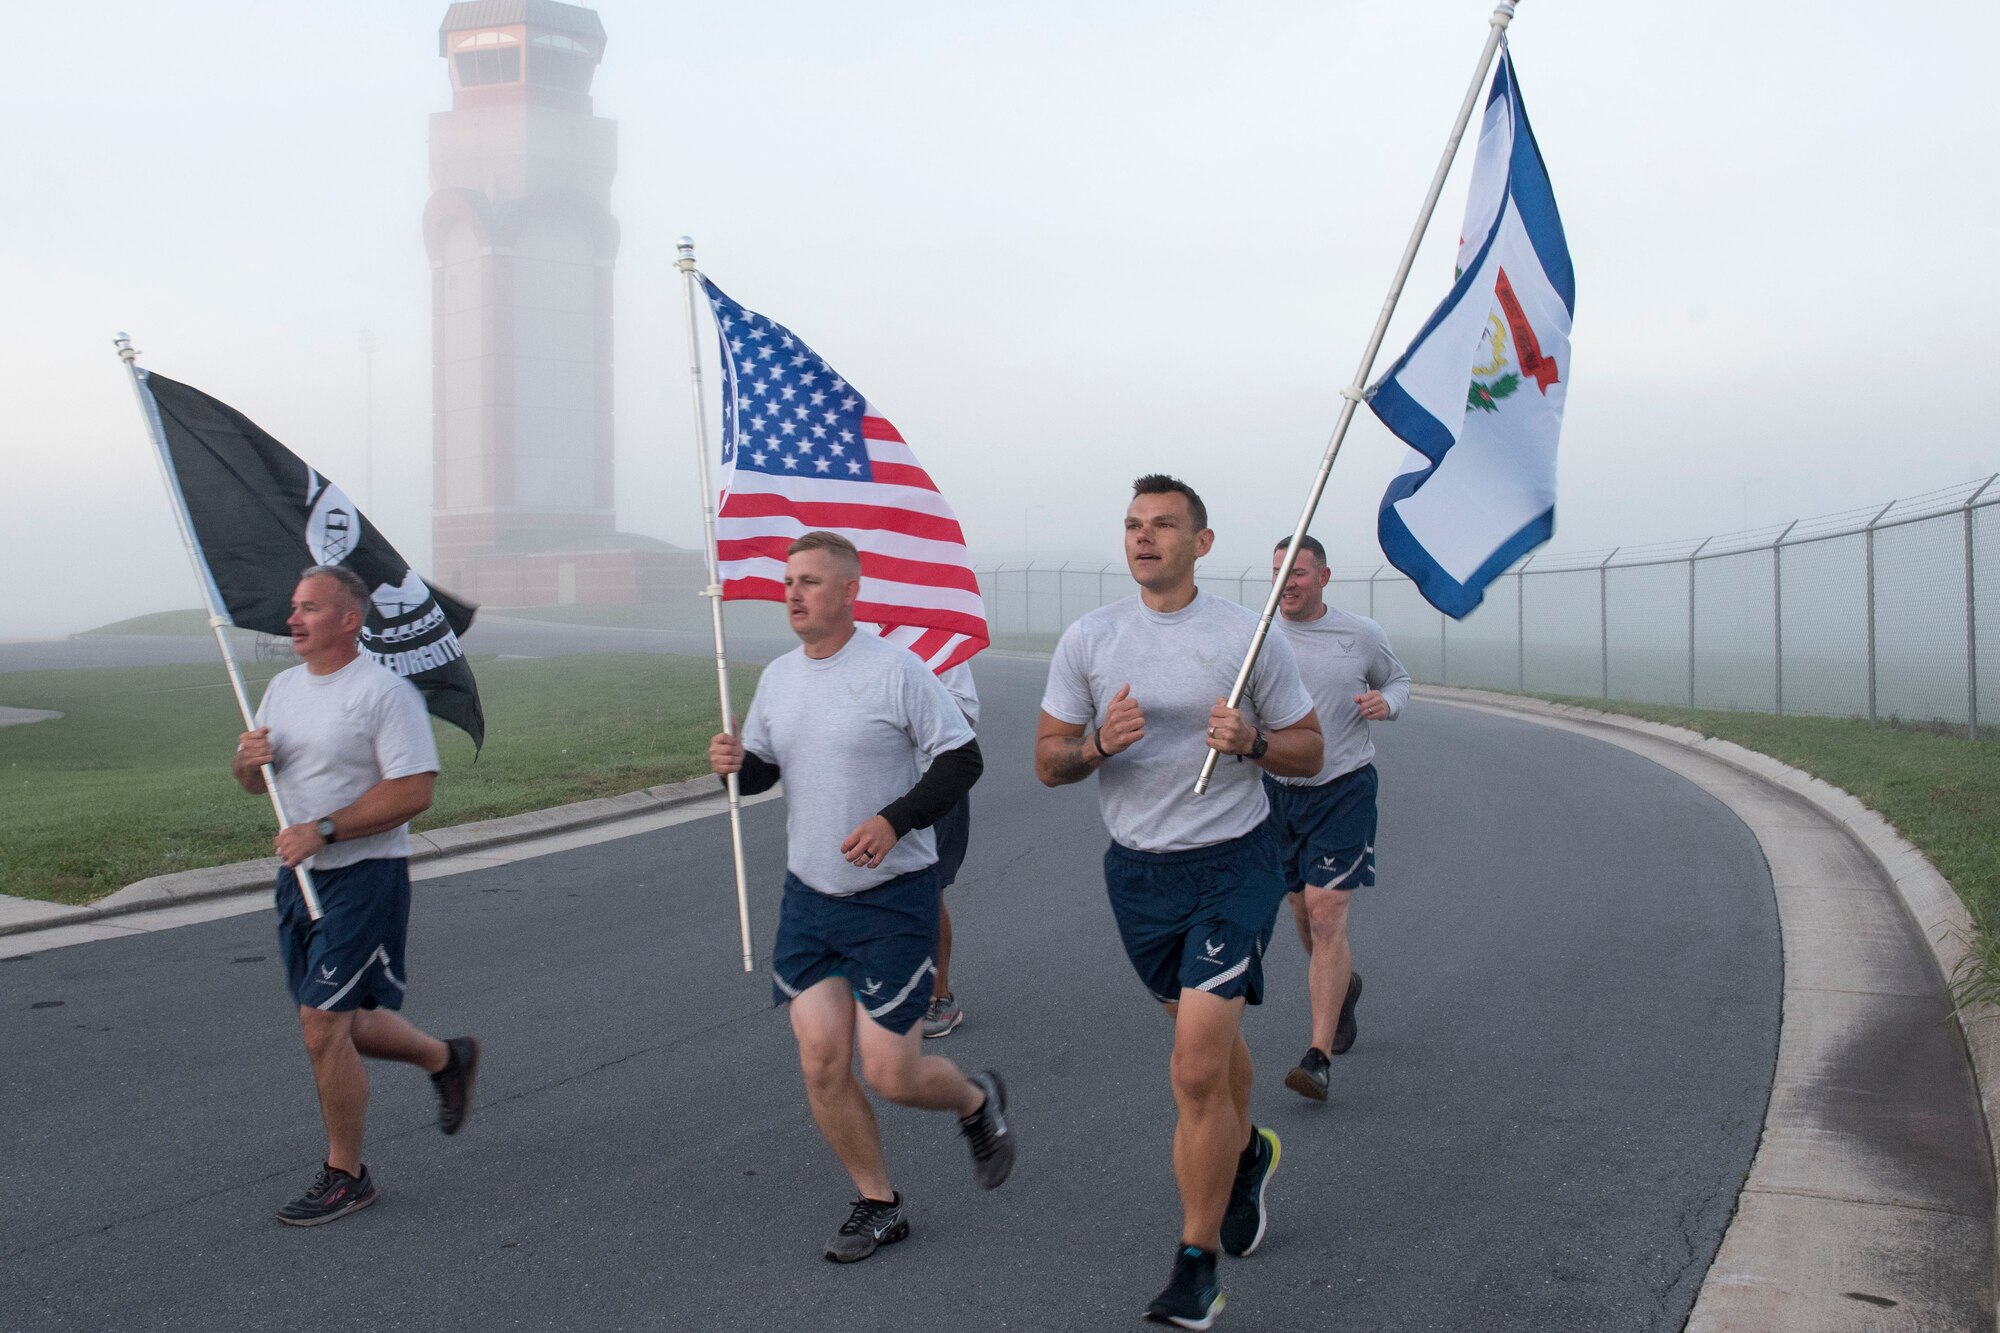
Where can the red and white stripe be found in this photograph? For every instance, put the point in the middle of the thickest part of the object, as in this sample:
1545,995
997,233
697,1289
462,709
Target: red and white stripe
916,574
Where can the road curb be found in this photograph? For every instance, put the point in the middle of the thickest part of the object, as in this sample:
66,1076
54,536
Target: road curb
20,915
1924,895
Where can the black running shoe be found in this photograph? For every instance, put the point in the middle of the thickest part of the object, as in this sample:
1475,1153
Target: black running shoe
332,1194
1311,1075
869,1226
1343,1034
1193,1297
454,1084
992,1141
1243,1221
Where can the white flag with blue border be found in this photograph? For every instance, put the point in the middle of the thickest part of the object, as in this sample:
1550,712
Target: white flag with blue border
1479,395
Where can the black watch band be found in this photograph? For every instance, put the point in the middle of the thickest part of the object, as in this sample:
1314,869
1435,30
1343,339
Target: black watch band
325,829
1260,745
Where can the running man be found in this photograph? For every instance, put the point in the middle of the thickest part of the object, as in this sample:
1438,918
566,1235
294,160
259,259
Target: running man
954,835
851,721
1326,823
351,744
1136,695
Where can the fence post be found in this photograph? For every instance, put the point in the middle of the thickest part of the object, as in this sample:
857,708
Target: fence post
1972,623
1691,557
1371,594
1061,610
1870,542
1604,624
1444,662
1521,624
1778,616
1028,599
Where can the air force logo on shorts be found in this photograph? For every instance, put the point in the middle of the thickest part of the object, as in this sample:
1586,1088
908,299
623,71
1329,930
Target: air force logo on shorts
1197,919
1212,955
1327,832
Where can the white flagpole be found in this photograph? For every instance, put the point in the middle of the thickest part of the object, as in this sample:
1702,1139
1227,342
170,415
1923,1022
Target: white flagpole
217,618
713,591
1502,16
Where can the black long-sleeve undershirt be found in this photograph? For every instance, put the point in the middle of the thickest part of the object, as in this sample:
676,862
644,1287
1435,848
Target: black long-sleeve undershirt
949,778
759,774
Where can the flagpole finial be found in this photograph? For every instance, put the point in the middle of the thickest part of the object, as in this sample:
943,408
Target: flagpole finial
686,262
1503,14
126,352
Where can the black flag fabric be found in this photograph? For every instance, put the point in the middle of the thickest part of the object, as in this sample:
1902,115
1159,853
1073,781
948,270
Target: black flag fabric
260,515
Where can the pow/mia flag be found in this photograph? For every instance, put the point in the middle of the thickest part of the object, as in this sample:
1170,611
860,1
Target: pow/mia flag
260,515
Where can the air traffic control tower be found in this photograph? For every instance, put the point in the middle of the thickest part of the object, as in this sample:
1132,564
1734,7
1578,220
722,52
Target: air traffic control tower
522,244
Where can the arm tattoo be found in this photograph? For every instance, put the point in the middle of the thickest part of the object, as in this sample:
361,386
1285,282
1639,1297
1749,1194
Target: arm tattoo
1072,762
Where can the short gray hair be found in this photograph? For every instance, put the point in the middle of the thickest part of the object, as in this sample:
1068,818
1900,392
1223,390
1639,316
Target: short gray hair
349,582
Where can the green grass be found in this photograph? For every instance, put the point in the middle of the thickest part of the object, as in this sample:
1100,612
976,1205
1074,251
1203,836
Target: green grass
164,625
134,779
687,611
1940,790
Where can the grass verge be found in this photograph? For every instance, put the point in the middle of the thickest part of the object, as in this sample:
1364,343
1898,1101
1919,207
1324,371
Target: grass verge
133,780
1940,790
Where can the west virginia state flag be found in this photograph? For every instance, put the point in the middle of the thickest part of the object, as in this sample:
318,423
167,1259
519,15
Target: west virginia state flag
1479,395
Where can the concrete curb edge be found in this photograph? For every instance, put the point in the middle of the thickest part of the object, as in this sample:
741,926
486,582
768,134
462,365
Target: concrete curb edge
1927,897
20,915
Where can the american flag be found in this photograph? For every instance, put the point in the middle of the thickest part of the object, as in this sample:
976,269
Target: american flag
803,450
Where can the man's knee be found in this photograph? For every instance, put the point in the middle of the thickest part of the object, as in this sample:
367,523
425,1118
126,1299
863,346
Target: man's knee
325,1032
1205,1039
1200,1073
890,1071
1326,913
826,1054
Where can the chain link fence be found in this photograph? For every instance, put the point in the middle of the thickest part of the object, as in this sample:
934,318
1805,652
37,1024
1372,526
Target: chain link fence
1888,613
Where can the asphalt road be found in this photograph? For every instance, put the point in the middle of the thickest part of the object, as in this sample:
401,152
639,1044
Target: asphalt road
1565,1051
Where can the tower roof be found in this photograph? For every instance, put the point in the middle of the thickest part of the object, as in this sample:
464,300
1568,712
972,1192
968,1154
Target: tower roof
553,14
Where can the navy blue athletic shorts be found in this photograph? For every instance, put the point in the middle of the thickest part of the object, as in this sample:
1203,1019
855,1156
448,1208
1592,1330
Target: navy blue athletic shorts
1199,918
954,832
880,940
352,957
1327,832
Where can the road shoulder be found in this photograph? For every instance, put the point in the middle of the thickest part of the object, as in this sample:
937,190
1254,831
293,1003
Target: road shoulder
1871,1196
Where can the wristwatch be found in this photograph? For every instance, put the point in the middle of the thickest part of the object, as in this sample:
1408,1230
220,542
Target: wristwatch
325,829
1261,744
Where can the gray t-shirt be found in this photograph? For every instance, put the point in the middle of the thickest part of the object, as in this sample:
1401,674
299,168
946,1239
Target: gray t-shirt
335,736
1341,655
1178,664
851,733
958,683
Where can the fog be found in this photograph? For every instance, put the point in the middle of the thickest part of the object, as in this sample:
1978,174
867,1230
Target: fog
1056,248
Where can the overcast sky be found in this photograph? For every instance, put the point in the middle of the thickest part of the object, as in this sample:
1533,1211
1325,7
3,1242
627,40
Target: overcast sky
1059,245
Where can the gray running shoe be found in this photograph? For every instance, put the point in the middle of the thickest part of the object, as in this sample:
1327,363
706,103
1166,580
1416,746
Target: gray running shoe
869,1226
943,1016
1311,1075
986,1129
